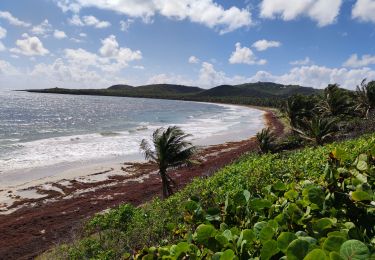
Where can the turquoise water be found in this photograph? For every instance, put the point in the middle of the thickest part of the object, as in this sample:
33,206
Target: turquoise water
38,130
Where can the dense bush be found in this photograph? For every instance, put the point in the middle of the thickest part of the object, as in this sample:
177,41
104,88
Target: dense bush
284,193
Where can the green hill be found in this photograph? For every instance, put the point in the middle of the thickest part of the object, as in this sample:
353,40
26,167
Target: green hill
260,93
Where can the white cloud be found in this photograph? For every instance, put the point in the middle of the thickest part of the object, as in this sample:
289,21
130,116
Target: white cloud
93,21
305,61
83,35
125,25
139,67
3,32
42,29
30,46
89,20
2,47
263,45
110,49
59,34
324,12
13,20
66,5
318,76
193,60
244,55
206,12
356,62
7,69
364,10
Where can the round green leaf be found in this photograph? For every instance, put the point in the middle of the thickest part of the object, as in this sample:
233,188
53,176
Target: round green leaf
269,249
322,224
259,204
316,254
228,255
279,186
354,250
203,233
361,196
266,234
333,243
314,194
284,240
335,256
297,249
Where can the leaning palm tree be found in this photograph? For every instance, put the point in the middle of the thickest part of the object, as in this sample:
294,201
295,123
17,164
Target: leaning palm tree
318,129
334,102
170,149
266,140
365,97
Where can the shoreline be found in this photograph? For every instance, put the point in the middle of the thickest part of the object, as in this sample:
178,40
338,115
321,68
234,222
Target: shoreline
58,208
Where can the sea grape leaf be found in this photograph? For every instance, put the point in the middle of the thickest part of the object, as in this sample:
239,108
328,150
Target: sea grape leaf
314,194
269,249
259,204
284,240
361,196
228,255
279,186
354,250
362,166
335,256
266,234
316,254
333,243
323,224
297,249
291,195
203,233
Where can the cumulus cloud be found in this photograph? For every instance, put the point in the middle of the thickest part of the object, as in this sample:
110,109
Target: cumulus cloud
42,29
2,47
89,20
324,12
111,49
3,32
125,25
13,20
244,55
59,34
355,62
30,46
364,10
206,12
263,45
193,60
7,69
305,61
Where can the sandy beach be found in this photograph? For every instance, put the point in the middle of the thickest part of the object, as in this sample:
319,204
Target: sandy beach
41,213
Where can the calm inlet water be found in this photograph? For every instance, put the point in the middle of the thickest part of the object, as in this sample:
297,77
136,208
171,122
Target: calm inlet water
38,130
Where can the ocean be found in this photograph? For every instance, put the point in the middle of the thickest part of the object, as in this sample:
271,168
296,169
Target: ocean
39,130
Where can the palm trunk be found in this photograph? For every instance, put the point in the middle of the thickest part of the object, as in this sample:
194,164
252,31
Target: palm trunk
165,183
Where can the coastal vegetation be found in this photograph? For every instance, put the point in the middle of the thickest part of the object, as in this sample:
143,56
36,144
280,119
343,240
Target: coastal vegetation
318,200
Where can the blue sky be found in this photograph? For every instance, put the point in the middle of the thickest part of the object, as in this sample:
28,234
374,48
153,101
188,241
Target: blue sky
96,43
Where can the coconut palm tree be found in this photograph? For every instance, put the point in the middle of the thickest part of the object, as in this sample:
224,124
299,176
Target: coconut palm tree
334,102
297,107
266,140
365,97
170,149
318,129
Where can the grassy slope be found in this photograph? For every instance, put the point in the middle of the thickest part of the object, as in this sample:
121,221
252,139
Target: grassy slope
152,224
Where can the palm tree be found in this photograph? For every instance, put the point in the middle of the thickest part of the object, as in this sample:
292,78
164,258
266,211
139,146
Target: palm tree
266,140
297,107
365,97
335,101
170,149
318,129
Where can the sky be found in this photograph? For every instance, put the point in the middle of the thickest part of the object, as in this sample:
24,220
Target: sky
205,43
